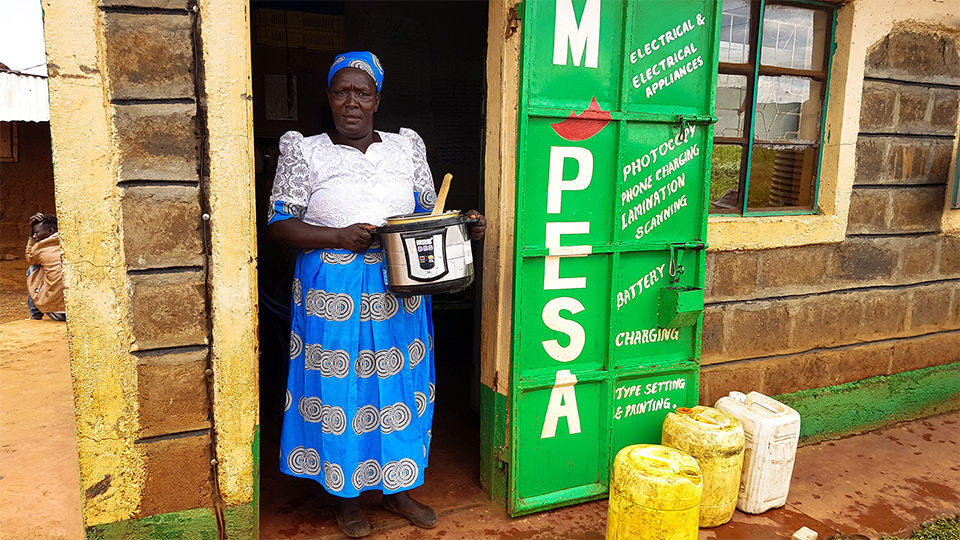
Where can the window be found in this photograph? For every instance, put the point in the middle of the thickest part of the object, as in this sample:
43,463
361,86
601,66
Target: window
8,142
955,202
770,106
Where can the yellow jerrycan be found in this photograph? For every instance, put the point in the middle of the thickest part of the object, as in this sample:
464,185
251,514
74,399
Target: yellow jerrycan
715,439
654,494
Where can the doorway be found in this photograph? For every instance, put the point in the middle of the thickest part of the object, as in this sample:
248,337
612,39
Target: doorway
434,56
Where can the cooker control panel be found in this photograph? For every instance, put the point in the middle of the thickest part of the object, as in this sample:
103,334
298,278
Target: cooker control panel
425,253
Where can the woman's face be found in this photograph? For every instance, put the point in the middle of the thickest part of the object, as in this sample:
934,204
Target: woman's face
353,100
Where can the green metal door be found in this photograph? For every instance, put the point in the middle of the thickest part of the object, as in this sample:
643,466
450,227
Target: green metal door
614,149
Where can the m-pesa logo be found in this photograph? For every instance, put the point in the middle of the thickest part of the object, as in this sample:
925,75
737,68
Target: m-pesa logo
580,127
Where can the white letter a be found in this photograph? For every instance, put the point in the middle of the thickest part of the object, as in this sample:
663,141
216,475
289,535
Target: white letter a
563,402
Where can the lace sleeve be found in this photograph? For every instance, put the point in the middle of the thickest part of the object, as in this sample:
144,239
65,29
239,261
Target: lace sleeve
291,185
422,177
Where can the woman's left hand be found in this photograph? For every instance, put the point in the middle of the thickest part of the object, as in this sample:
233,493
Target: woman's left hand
477,229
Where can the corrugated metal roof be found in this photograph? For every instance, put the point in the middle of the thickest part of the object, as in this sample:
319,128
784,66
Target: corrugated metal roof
23,98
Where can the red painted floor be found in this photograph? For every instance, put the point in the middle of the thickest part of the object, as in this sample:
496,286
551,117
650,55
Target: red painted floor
889,481
886,482
297,508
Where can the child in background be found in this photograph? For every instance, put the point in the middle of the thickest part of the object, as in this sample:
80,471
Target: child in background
44,280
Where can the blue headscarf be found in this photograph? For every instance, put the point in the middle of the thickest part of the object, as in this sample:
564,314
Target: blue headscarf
365,60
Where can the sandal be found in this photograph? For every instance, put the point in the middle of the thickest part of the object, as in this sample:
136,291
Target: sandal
357,528
424,517
354,529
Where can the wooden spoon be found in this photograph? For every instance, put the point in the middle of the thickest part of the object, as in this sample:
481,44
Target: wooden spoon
442,198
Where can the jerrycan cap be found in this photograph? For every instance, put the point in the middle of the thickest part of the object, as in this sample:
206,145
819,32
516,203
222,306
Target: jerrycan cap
692,472
705,415
738,396
671,459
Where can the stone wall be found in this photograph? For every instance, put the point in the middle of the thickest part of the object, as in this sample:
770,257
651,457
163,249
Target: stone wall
132,204
159,260
26,186
885,300
149,61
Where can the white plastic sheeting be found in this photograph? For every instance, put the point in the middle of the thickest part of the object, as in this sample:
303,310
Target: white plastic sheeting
23,98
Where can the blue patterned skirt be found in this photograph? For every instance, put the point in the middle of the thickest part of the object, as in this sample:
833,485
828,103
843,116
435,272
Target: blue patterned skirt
360,391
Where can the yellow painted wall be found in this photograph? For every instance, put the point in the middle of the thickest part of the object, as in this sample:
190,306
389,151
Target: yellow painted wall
232,277
860,24
94,273
503,91
85,153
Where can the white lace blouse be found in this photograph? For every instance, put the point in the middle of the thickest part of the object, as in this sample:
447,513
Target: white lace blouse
332,185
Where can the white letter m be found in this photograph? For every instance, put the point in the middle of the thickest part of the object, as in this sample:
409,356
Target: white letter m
586,35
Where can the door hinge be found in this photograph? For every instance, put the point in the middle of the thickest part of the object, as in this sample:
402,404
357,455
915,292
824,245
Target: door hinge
513,20
503,457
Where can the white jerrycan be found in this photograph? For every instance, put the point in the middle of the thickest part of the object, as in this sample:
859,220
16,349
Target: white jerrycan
771,432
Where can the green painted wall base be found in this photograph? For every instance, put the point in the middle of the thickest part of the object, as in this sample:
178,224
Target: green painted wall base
493,426
835,411
194,524
243,522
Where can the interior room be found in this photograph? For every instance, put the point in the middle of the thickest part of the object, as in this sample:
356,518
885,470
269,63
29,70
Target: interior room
433,55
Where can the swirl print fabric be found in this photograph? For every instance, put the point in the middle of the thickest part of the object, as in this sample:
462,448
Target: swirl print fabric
359,404
360,390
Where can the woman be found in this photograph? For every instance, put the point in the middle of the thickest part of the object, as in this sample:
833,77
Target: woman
360,390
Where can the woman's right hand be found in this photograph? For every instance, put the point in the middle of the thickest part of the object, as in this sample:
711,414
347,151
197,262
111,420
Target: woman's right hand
299,235
357,237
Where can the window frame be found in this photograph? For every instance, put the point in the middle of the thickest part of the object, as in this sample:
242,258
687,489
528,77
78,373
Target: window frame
753,71
955,199
10,153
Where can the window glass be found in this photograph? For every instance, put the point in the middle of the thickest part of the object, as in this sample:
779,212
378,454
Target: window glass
956,181
788,109
770,116
725,178
793,38
735,32
731,105
781,176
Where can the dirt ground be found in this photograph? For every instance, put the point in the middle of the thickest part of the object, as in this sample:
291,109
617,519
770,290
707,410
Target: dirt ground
887,481
39,477
13,290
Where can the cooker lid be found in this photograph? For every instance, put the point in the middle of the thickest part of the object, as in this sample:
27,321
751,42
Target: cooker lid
422,221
